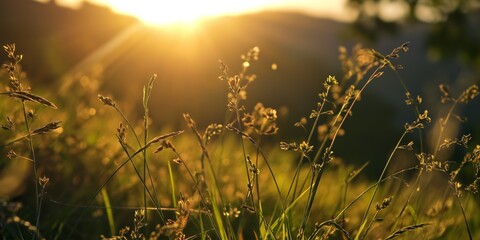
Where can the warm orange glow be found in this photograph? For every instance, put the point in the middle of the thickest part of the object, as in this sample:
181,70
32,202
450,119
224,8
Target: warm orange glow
182,11
162,12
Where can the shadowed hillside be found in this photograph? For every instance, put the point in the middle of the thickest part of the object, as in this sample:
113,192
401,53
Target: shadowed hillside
56,38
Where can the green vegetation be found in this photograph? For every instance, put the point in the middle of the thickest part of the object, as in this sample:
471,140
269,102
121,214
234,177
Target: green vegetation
89,177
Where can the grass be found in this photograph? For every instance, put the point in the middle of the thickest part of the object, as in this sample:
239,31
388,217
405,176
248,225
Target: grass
231,180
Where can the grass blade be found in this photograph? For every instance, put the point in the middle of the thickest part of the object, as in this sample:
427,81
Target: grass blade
108,209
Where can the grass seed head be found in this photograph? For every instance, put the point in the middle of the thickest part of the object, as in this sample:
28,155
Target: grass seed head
106,100
43,181
385,203
212,130
469,94
47,128
9,125
288,146
122,133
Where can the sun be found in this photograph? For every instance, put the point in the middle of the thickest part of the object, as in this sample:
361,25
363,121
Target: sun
161,12
155,12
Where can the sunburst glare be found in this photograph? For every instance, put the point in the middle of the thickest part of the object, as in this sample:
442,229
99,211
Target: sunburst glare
182,11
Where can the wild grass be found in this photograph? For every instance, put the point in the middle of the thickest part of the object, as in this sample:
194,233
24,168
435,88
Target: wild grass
100,174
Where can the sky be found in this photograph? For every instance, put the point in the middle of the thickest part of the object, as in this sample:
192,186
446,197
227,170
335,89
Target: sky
164,12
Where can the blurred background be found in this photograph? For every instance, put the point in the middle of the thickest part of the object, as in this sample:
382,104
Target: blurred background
76,49
115,46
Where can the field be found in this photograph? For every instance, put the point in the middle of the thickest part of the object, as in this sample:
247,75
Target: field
76,166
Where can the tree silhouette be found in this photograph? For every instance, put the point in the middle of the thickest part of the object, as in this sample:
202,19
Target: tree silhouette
454,25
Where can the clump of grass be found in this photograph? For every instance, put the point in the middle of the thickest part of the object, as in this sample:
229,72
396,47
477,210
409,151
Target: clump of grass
18,92
131,153
228,181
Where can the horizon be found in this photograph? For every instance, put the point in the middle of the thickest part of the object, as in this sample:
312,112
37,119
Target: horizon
151,13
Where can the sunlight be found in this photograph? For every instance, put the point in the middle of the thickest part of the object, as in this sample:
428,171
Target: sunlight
153,12
182,11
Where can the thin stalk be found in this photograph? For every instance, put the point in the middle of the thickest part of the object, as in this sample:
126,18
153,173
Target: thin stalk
370,225
459,200
206,155
364,218
145,140
146,167
42,192
130,159
355,99
318,176
147,90
218,189
237,113
266,162
342,212
257,185
344,201
297,171
108,208
19,232
259,202
437,147
287,210
257,188
14,141
217,231
172,183
34,160
370,188
203,235
311,195
329,223
464,216
442,126
415,186
128,123
416,108
238,119
420,137
245,156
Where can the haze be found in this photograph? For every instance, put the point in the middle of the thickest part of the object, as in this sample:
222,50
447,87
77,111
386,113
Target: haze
154,12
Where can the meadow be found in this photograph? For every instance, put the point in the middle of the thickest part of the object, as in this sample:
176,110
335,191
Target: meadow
77,165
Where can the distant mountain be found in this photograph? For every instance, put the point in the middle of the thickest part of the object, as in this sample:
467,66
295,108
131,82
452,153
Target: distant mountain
54,38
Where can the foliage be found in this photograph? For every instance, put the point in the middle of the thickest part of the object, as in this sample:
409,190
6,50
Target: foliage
451,25
230,180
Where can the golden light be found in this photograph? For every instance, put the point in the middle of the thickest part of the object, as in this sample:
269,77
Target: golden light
162,12
182,11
